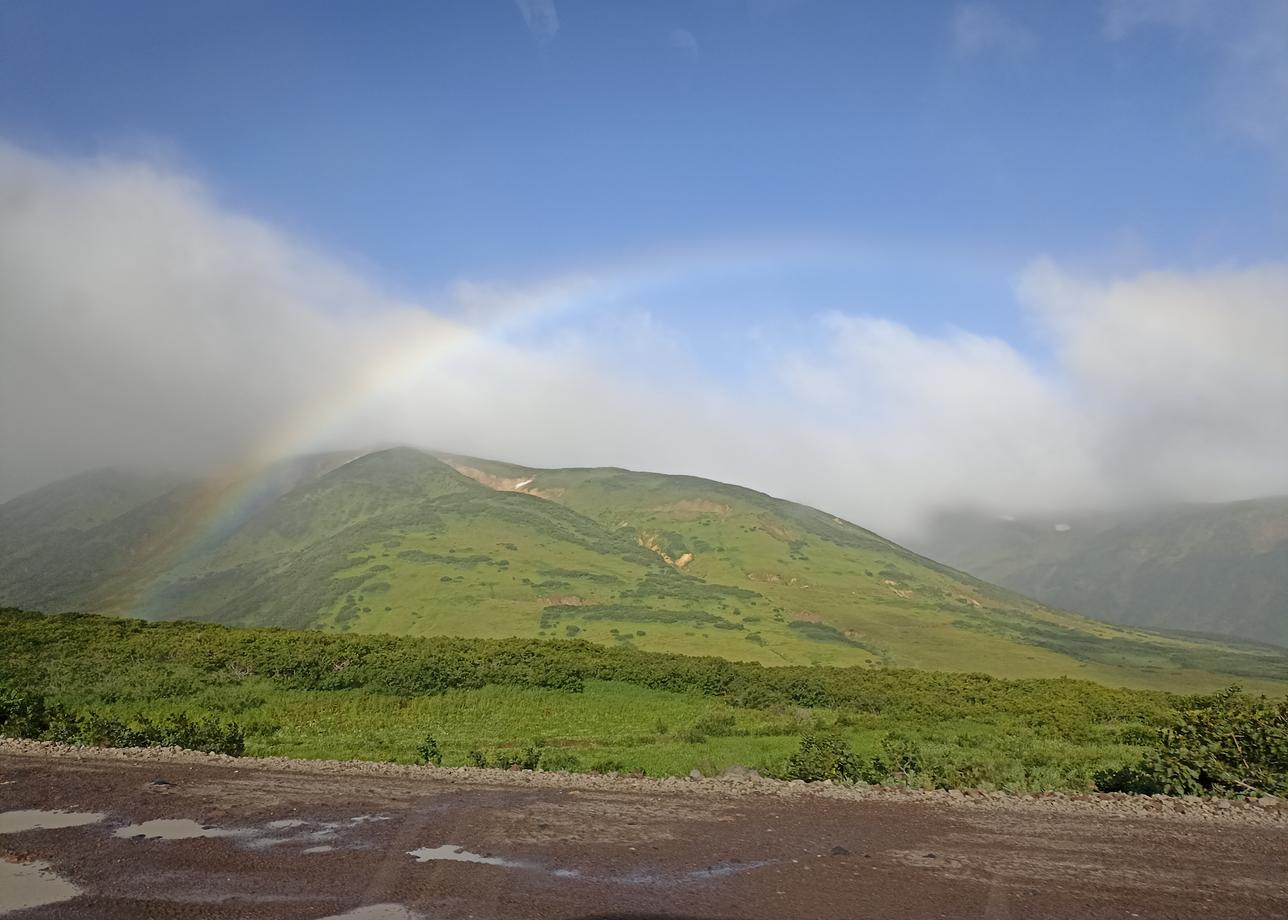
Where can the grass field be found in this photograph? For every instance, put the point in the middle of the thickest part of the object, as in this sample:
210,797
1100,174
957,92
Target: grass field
584,707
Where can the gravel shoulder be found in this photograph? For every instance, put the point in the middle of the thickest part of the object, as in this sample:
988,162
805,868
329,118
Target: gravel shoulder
1266,811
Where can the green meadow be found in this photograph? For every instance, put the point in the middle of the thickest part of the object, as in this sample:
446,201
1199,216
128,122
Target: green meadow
573,705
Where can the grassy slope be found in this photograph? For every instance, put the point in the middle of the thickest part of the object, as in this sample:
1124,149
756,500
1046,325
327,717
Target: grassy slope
904,609
48,538
311,695
398,542
1219,568
100,540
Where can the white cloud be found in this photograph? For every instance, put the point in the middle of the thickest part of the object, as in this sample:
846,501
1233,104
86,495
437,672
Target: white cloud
142,322
541,18
684,43
141,318
981,28
1184,373
1161,386
927,421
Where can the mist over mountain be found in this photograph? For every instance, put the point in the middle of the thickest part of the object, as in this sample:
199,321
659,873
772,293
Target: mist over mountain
1214,568
188,334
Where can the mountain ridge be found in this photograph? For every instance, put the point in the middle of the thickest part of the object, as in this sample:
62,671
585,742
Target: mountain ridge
402,541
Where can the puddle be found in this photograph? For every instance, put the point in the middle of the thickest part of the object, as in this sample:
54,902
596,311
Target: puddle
175,829
24,885
721,870
281,832
459,854
12,822
661,877
293,831
316,836
454,853
378,912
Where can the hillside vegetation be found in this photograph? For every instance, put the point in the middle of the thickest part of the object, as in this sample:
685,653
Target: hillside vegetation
404,543
573,705
308,694
1218,568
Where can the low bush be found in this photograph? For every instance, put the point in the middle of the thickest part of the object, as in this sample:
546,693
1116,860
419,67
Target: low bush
27,715
428,751
899,761
1224,744
528,758
720,725
823,756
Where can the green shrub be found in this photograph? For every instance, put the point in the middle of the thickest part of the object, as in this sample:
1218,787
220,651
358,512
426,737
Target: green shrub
900,759
528,758
1129,778
24,715
101,731
1138,735
428,751
1224,743
719,725
27,715
208,735
823,756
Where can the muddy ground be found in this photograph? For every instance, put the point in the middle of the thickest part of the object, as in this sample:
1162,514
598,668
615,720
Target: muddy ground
130,835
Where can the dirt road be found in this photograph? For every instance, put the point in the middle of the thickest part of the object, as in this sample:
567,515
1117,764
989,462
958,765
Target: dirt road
102,836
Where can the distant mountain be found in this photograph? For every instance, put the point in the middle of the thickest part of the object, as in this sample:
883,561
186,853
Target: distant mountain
405,542
1219,568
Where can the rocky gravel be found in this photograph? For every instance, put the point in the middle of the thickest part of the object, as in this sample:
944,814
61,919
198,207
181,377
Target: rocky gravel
738,781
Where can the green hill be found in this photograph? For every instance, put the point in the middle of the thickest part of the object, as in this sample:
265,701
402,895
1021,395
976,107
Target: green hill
405,543
1218,568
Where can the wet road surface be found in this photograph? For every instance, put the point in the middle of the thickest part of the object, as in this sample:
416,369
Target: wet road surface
116,839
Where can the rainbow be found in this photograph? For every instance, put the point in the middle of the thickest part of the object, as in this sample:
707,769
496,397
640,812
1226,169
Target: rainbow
429,338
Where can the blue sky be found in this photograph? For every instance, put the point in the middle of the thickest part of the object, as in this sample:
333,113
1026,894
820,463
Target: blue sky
1060,203
429,142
